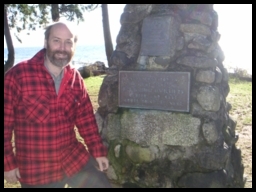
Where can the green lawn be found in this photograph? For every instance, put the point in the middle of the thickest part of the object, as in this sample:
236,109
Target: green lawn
240,97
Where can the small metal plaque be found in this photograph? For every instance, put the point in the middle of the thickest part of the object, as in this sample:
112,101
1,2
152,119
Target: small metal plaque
154,90
156,36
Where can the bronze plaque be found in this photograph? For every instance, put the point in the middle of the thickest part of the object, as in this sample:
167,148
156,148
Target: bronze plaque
156,36
154,90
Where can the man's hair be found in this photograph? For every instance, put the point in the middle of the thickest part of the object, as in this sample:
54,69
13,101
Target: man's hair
49,27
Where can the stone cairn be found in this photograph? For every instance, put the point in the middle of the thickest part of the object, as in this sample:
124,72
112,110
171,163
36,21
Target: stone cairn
150,148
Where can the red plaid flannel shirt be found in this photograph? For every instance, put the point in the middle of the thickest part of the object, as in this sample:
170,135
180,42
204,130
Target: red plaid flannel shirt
46,147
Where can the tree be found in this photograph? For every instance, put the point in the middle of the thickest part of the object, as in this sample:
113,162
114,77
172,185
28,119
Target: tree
10,60
31,16
106,32
55,12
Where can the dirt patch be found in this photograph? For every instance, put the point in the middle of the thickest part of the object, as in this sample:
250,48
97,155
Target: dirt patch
245,144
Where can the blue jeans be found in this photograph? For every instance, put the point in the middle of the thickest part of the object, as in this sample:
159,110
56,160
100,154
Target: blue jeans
88,177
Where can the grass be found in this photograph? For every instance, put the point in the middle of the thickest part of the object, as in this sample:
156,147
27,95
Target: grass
240,97
93,86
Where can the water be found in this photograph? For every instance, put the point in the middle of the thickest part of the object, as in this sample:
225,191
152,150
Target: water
87,54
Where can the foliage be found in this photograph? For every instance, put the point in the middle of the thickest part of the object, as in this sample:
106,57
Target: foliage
69,11
31,16
239,72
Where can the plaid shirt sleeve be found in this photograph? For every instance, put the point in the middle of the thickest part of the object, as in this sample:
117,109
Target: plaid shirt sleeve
11,92
87,126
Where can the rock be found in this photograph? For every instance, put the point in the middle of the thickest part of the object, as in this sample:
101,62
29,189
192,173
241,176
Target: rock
98,68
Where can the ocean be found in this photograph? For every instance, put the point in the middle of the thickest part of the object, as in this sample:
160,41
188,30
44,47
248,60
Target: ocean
84,55
89,54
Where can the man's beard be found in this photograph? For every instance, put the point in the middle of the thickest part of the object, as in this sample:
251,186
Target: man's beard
59,62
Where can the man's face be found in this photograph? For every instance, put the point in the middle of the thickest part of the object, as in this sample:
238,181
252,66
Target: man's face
60,46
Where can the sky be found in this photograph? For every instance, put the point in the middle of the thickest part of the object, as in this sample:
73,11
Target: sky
235,27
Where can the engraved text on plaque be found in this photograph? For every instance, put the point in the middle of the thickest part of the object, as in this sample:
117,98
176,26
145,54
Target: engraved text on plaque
154,90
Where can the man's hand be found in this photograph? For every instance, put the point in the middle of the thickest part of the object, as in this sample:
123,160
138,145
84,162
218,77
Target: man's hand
103,163
12,176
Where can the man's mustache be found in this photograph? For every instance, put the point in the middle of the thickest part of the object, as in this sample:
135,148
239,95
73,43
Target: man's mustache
61,52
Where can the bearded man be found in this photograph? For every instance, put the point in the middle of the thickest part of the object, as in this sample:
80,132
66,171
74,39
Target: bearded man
44,100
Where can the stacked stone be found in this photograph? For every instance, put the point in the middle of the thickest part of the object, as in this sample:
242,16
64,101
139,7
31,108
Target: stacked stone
153,148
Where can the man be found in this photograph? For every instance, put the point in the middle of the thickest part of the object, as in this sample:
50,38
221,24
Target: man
44,99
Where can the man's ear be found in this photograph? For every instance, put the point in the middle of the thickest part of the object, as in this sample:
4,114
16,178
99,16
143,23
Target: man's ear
45,44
